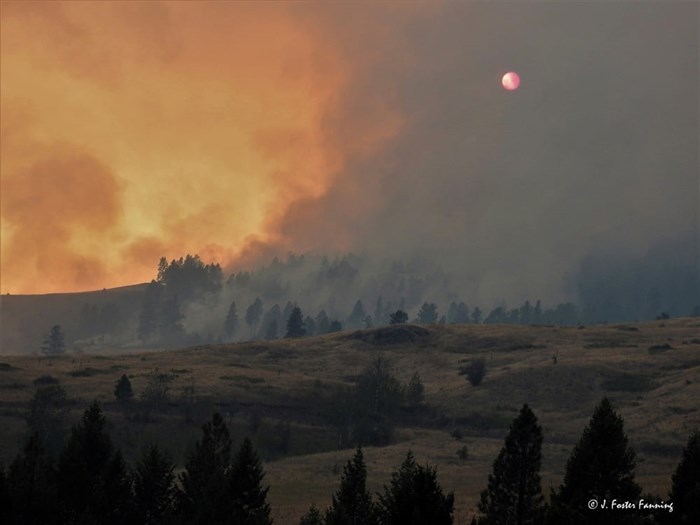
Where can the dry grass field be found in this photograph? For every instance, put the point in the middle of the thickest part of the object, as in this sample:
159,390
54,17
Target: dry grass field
650,371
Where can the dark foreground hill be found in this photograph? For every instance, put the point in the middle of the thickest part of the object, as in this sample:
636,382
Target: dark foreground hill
288,395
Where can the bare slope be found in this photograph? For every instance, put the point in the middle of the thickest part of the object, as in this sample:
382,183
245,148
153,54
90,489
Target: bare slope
651,372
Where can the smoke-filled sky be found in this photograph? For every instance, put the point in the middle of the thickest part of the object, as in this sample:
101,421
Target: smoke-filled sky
132,130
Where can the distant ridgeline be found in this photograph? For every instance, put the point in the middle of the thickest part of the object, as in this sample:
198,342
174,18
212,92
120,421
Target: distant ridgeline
191,302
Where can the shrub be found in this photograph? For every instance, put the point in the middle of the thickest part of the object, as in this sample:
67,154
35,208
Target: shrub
463,453
475,371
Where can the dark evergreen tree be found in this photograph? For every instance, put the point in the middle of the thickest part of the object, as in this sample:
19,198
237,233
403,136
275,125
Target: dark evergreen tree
47,416
414,391
357,315
452,313
601,468
322,323
537,313
335,326
154,488
54,341
427,314
231,323
271,332
203,498
312,517
414,497
295,324
253,314
352,503
476,315
170,325
287,311
248,497
123,391
514,494
462,316
526,313
475,371
685,487
310,325
94,485
32,489
398,317
497,316
379,317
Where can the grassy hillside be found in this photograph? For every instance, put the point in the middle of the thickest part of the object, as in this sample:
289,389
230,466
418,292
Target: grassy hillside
277,389
25,319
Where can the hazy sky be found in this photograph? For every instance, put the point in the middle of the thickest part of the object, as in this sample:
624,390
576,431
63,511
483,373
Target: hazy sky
239,130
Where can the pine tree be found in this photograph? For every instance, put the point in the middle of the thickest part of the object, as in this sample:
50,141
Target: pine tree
398,317
427,314
514,494
414,497
248,497
54,341
312,517
685,488
322,323
601,468
154,488
123,391
476,315
295,324
203,499
231,323
271,332
32,486
357,315
352,503
414,392
94,485
253,314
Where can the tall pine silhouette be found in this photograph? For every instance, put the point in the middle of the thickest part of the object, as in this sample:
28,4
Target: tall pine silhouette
514,493
352,503
248,497
685,488
203,498
94,483
414,497
601,468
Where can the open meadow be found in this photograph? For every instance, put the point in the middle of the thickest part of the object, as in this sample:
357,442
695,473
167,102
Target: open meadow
284,394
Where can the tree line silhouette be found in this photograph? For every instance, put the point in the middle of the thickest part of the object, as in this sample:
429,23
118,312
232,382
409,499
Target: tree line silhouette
90,483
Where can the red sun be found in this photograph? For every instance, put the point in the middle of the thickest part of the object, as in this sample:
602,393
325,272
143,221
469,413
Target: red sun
511,81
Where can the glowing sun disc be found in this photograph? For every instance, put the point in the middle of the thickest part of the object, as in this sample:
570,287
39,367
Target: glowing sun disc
511,81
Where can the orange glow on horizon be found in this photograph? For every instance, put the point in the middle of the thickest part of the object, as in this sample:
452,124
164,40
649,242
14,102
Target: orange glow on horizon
136,130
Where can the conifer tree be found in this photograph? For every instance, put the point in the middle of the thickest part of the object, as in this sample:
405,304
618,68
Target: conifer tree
352,503
54,341
685,488
231,323
31,486
94,484
414,497
312,517
154,488
203,499
514,494
248,497
427,314
295,324
600,468
123,391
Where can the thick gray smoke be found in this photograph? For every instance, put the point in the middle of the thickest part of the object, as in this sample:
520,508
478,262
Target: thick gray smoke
595,156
